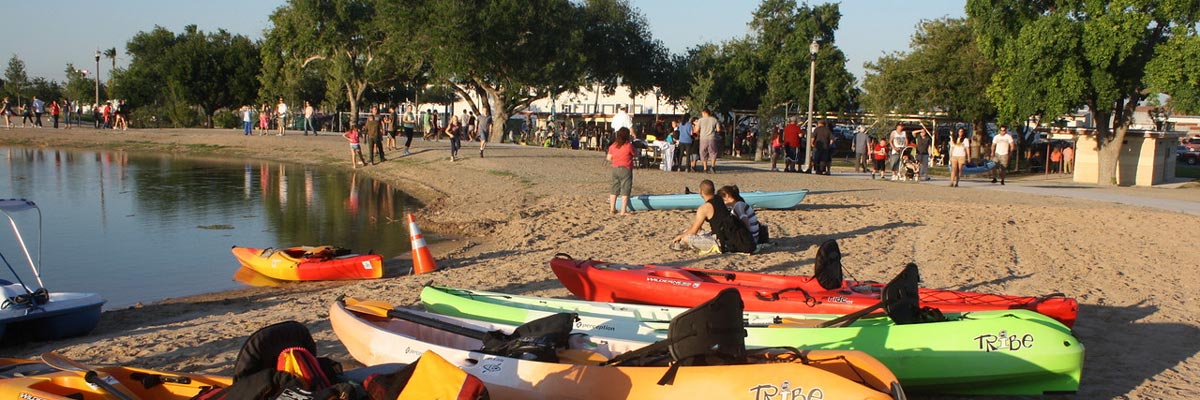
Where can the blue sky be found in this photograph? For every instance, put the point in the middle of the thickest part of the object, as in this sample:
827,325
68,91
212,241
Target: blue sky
48,35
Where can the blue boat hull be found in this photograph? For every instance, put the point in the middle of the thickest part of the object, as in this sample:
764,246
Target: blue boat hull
762,200
66,315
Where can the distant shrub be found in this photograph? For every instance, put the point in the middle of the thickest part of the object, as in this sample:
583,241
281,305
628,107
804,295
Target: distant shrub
226,119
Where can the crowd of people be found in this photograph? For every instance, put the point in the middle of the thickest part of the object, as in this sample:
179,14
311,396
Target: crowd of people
108,115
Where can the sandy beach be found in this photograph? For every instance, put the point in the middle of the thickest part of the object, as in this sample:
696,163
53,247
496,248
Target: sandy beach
1128,266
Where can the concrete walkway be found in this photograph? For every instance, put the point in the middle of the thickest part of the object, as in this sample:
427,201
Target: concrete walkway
1169,197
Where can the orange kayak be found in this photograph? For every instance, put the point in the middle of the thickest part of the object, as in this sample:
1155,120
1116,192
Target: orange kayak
309,263
31,379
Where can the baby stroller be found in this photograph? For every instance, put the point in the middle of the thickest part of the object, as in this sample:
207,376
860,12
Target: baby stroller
910,163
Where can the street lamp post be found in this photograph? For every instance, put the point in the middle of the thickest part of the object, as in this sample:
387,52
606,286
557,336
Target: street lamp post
97,103
812,78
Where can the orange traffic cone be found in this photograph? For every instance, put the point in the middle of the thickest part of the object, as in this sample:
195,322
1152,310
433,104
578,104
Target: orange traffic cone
422,257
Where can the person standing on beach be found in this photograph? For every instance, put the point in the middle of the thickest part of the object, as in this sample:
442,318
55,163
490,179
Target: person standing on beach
119,113
776,147
898,141
6,109
436,127
622,120
923,143
281,110
351,136
308,118
39,108
862,153
67,110
687,163
1068,159
453,130
264,119
960,152
791,148
247,120
485,128
426,130
1001,144
472,126
709,127
374,138
409,125
620,154
822,140
879,153
54,111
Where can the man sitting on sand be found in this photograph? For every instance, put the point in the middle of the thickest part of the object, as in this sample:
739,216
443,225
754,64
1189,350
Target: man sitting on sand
729,234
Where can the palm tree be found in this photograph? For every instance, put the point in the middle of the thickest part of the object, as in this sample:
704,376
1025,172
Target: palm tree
111,54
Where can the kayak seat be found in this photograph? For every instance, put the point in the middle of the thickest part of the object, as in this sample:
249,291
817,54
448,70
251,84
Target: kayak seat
675,274
618,267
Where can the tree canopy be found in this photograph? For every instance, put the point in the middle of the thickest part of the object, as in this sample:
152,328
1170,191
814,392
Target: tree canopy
1055,56
351,45
944,72
174,72
15,79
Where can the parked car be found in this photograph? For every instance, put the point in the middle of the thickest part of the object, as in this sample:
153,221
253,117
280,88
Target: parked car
1187,155
1192,143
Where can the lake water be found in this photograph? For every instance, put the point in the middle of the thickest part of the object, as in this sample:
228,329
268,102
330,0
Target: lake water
141,227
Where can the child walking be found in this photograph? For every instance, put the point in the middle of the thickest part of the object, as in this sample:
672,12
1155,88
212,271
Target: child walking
355,150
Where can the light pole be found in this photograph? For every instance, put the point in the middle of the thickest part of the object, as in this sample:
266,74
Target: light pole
97,103
812,78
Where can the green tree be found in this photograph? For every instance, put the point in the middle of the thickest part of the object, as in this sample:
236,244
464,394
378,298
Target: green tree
783,33
44,89
15,80
519,51
78,86
1054,57
111,54
945,72
347,36
180,74
1176,71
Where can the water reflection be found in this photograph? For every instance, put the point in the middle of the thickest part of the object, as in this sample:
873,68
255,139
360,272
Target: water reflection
143,227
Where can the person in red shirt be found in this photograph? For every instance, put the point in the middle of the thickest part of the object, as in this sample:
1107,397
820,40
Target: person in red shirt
54,111
791,148
879,153
620,153
355,148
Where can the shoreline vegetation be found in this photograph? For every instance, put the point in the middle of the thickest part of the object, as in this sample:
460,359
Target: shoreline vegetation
519,206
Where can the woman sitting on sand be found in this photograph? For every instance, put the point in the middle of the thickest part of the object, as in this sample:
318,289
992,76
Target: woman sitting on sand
732,197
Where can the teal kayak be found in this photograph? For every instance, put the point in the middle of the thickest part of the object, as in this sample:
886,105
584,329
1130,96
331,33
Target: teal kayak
1008,352
767,200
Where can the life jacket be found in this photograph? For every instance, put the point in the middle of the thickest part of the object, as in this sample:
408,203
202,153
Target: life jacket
732,234
279,362
430,377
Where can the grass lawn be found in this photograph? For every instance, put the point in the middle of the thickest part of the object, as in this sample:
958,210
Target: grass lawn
1185,171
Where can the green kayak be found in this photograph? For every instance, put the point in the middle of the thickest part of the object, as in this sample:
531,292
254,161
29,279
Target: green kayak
1009,352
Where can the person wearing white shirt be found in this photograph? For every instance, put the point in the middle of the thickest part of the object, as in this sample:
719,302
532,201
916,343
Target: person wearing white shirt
1001,146
281,110
622,120
899,140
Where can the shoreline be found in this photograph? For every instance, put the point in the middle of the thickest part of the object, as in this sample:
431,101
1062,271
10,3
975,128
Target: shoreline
520,205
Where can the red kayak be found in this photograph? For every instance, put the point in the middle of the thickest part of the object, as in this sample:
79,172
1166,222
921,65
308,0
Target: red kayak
687,287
